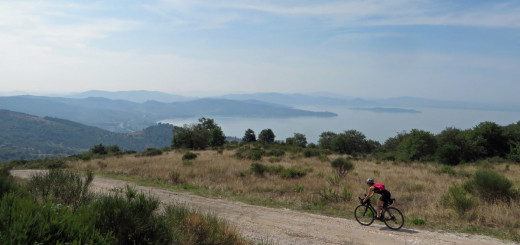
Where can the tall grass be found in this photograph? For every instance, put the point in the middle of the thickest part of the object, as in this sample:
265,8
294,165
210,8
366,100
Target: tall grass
57,212
419,188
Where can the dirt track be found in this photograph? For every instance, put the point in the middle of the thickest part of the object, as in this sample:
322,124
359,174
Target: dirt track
282,226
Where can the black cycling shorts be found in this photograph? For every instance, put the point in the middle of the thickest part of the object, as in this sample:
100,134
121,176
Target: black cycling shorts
385,196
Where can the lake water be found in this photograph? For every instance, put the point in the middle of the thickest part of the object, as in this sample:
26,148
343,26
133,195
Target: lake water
375,125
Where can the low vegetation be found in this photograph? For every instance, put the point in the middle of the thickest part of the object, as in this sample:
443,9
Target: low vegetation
431,196
458,180
57,208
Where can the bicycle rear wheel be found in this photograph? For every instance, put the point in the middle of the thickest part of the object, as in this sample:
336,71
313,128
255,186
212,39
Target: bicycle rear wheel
364,214
393,218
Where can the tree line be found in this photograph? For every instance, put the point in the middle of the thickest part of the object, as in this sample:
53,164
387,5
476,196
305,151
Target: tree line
451,146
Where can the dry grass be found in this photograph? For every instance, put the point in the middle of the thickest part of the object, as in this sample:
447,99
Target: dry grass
419,188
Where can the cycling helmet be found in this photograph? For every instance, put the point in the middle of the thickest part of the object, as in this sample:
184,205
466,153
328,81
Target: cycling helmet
370,181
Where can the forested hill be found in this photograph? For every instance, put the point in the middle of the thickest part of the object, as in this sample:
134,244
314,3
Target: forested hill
24,136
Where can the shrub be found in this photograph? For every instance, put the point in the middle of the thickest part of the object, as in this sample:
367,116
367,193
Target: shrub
311,152
6,182
151,152
275,169
275,153
99,149
457,198
445,169
331,195
64,187
490,186
292,173
189,156
342,165
22,221
190,227
418,221
131,219
258,168
254,155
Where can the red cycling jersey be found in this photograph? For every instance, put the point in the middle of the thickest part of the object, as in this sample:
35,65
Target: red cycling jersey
379,186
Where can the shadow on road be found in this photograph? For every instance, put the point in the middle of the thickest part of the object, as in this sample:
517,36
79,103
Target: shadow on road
401,230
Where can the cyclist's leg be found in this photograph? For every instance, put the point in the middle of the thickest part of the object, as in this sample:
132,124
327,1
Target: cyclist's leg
379,207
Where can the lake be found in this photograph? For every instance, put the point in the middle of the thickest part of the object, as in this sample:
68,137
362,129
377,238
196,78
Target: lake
375,125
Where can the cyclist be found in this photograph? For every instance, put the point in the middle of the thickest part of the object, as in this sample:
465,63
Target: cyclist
378,188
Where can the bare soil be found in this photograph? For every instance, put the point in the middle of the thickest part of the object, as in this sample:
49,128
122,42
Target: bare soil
283,226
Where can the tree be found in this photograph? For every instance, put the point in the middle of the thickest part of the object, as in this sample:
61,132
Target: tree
266,136
448,154
297,140
325,140
198,136
418,145
249,136
99,149
217,137
351,141
491,136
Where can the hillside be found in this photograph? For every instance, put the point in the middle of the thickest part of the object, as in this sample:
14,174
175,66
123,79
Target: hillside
25,136
126,116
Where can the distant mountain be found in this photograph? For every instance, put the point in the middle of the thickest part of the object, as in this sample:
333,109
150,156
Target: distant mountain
387,110
299,99
324,99
138,96
24,136
127,116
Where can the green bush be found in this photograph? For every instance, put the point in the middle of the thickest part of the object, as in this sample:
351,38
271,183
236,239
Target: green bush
63,187
342,165
150,152
23,221
131,219
99,149
258,168
6,182
418,221
254,155
274,169
188,227
189,156
458,199
445,169
292,173
311,152
275,153
490,186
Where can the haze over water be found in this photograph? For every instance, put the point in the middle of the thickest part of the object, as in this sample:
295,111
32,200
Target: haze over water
374,125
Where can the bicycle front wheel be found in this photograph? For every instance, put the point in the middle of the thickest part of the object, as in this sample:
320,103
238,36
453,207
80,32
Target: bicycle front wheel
364,214
393,218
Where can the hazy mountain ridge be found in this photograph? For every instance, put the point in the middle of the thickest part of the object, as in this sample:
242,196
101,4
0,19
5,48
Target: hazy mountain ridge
26,136
138,96
127,116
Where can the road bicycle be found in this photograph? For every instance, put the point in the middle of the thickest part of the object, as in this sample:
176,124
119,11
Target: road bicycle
366,214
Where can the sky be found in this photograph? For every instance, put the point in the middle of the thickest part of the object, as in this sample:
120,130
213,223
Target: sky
452,50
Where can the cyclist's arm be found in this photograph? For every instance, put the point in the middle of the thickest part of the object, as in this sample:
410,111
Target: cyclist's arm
370,194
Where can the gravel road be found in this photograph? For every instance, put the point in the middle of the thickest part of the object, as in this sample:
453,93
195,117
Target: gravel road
283,226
